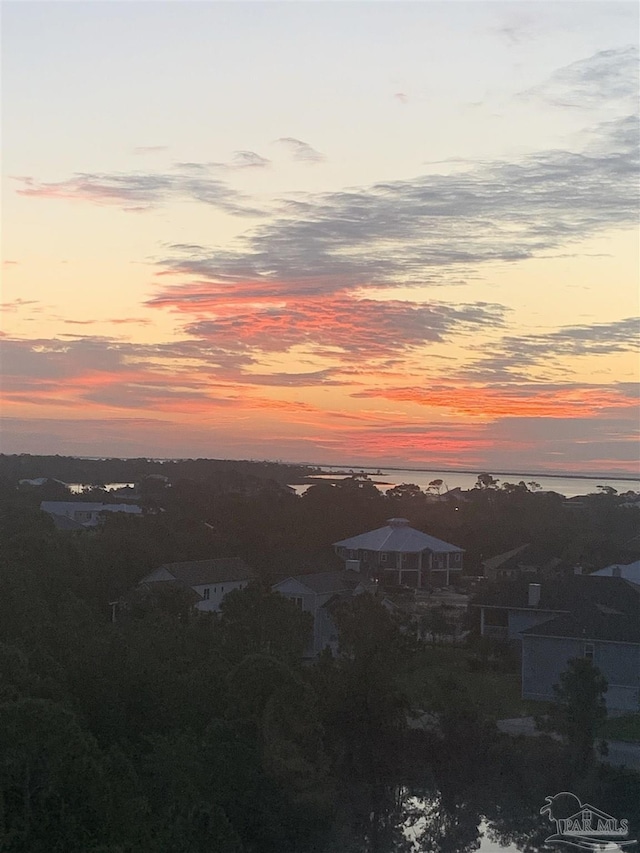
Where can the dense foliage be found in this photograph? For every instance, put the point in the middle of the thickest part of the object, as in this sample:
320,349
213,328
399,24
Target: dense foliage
175,732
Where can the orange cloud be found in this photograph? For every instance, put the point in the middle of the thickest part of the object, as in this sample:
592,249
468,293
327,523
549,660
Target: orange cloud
254,316
492,403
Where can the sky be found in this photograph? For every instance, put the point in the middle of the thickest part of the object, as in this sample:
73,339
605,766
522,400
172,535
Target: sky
378,233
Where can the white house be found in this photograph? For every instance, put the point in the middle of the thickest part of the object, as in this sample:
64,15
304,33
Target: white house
312,593
399,554
211,580
86,513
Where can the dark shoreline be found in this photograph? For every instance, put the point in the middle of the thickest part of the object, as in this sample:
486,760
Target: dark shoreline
558,474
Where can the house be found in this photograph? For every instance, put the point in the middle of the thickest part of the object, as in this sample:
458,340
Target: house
611,640
510,607
210,580
84,513
397,554
555,620
314,594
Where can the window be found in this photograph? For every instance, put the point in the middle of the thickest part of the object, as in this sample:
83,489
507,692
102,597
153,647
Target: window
384,557
205,593
297,601
589,651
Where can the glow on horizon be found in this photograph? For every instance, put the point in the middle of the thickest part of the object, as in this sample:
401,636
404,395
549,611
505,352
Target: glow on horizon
402,233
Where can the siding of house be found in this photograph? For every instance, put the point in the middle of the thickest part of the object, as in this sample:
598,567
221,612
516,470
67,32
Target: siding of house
216,593
325,632
544,659
309,602
620,664
293,589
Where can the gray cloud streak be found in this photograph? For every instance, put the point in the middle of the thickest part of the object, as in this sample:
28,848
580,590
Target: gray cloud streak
300,150
144,191
416,231
604,79
513,356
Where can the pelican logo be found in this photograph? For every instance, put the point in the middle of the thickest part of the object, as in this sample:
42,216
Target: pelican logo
583,826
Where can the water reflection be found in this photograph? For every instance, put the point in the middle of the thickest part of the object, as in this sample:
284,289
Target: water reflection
491,802
427,810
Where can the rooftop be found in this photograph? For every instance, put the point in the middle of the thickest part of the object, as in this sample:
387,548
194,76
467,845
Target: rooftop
591,625
70,507
630,571
564,594
199,572
330,582
396,535
63,522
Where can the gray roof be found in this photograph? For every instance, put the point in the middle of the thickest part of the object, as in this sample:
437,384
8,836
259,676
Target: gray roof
198,572
66,507
568,594
153,587
40,481
592,625
397,536
324,582
63,522
495,562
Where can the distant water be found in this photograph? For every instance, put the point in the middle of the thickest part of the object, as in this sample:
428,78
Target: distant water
78,488
569,486
386,478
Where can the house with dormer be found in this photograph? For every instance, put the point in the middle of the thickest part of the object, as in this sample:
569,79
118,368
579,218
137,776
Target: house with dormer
399,555
509,607
555,620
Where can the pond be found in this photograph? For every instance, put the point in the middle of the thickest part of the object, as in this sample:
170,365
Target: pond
509,796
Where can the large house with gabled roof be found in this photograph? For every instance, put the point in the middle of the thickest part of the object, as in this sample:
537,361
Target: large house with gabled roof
558,619
610,640
83,514
398,554
209,580
315,593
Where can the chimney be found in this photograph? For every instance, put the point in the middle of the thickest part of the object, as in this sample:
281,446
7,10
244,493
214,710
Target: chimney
534,594
577,570
616,572
352,565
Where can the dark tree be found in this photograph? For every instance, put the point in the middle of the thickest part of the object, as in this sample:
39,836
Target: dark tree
580,711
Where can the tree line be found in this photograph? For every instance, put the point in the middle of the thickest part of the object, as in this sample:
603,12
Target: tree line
174,731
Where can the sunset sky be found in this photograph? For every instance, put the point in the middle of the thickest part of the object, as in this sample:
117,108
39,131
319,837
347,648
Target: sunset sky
371,233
